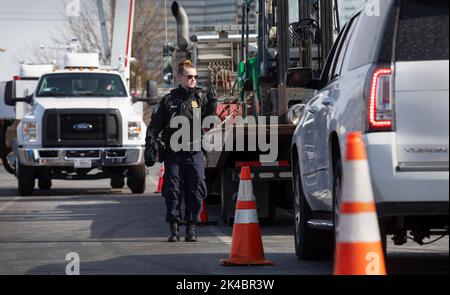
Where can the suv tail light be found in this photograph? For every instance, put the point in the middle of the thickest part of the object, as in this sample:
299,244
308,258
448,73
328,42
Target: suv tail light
381,104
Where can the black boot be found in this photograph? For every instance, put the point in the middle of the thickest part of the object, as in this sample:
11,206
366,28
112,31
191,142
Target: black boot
190,233
174,233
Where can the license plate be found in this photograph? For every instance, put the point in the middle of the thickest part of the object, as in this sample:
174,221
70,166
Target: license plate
82,163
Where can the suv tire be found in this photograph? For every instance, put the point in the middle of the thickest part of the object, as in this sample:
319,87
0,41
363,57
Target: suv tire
310,244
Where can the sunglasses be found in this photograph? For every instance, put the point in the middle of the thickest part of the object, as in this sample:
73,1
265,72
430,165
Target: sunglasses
190,77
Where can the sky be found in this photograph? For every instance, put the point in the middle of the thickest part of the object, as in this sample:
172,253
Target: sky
23,23
27,23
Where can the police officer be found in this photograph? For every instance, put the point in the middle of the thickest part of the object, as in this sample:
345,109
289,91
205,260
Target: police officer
184,177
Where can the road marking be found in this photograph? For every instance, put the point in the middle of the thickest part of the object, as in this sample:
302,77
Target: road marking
220,235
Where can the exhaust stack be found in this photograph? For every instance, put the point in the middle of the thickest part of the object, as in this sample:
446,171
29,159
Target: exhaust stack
182,25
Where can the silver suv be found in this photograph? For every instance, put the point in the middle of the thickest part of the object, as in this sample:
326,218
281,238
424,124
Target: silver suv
387,76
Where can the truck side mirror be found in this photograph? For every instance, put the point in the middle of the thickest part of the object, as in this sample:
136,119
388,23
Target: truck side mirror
12,90
9,94
11,97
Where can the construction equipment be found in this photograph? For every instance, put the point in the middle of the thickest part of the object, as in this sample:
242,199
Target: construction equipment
287,48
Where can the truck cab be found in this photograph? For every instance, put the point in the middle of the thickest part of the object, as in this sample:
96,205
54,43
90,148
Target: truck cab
81,124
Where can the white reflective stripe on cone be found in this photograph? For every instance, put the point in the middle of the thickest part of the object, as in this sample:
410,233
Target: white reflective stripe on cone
245,216
359,191
358,228
246,191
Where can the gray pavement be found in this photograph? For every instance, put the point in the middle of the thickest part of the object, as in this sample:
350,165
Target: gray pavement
115,232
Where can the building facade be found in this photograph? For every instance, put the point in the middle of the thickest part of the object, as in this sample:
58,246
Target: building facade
213,12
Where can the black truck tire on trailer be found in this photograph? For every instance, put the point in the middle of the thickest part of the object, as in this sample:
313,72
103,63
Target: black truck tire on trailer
136,179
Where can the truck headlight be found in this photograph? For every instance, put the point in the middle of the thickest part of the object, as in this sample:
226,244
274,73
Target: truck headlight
295,113
134,130
30,131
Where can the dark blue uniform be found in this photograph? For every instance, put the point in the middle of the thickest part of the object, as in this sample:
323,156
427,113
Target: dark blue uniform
184,176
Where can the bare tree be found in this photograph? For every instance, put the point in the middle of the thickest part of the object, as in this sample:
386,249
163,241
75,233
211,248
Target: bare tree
147,46
148,38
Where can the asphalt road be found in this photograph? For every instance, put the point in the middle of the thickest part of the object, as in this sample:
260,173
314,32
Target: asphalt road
115,232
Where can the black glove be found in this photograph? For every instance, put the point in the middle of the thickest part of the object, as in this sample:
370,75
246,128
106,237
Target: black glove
150,156
150,153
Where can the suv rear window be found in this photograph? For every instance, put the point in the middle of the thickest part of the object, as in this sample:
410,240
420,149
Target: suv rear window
423,30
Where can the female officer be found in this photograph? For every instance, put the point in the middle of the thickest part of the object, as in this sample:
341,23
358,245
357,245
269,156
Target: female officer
184,176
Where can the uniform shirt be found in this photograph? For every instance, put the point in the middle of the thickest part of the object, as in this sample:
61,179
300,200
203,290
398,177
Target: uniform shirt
180,102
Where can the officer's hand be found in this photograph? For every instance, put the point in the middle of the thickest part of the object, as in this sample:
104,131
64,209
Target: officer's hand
150,156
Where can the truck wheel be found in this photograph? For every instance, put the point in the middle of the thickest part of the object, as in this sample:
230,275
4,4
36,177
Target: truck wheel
136,179
45,184
310,244
6,150
26,180
117,182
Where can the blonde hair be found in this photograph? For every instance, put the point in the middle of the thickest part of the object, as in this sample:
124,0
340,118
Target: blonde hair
183,65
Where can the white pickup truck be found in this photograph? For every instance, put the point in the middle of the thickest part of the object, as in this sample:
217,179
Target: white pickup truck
82,124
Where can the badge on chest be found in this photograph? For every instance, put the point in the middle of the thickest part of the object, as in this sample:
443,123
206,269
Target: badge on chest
194,104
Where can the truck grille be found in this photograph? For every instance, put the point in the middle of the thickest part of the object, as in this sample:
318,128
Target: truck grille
82,128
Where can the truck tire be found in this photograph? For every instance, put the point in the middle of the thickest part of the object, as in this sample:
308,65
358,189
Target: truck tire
44,184
26,180
136,179
310,244
117,182
5,150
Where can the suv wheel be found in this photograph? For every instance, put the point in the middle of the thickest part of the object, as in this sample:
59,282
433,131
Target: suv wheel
310,244
136,179
26,180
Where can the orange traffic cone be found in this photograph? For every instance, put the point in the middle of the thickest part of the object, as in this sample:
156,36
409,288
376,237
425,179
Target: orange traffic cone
359,250
161,179
204,216
246,247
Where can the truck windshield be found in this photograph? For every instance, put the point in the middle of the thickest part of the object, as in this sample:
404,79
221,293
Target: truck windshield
81,85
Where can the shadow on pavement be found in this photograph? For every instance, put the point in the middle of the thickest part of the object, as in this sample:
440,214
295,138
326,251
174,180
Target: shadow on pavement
186,264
